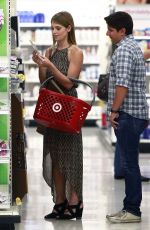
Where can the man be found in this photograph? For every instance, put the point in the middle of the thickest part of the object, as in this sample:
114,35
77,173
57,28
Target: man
127,108
118,166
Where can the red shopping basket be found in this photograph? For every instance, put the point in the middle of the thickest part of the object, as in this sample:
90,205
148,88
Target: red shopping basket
62,112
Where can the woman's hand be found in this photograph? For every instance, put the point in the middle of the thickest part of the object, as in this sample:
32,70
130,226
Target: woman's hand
40,60
36,57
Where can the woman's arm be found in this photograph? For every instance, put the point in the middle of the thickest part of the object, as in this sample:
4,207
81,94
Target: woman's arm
75,56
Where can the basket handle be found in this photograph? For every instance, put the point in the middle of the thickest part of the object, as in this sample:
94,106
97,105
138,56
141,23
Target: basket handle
53,82
84,83
71,79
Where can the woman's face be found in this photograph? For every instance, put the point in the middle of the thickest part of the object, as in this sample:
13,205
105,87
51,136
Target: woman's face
59,32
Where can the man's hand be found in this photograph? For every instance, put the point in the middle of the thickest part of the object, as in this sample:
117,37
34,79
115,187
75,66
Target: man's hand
112,119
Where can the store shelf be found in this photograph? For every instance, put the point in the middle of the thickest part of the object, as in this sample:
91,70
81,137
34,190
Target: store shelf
4,112
12,215
92,62
144,140
34,25
4,74
33,81
5,154
50,44
4,198
30,99
142,37
8,213
4,160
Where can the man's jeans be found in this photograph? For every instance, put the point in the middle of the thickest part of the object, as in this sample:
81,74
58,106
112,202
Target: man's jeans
128,136
118,167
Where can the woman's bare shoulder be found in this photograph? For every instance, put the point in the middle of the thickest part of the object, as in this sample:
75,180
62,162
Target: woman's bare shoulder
75,48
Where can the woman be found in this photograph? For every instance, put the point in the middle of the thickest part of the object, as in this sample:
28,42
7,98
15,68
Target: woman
62,152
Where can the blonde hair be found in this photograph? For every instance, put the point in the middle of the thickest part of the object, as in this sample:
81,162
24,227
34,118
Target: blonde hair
65,19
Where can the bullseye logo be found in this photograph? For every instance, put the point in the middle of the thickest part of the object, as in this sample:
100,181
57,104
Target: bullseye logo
57,107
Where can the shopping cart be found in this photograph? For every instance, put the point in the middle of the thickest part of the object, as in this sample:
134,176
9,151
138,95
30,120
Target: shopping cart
62,112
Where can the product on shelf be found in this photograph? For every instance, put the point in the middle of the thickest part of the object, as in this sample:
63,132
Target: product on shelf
3,148
3,30
4,70
30,17
1,18
3,198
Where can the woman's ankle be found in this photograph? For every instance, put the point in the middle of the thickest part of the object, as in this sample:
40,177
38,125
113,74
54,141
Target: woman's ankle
60,200
76,203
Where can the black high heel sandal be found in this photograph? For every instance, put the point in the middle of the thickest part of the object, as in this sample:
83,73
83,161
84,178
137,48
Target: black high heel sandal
72,211
58,210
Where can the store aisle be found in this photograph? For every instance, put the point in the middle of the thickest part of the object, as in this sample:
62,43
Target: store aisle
102,194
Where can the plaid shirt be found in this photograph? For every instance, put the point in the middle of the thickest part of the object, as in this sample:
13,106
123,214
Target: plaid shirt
127,69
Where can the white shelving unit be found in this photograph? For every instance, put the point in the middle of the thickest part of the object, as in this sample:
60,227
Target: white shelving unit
5,138
9,213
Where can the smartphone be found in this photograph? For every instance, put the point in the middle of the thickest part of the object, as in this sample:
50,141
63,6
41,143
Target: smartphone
34,46
36,49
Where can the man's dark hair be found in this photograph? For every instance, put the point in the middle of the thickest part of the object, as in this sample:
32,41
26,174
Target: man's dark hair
119,20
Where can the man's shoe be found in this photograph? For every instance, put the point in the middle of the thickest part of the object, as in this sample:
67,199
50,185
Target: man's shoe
123,217
143,178
119,177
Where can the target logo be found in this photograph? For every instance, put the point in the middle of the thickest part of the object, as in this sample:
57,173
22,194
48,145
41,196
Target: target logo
57,107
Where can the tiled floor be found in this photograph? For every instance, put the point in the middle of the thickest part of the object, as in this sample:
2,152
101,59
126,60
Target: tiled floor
102,194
